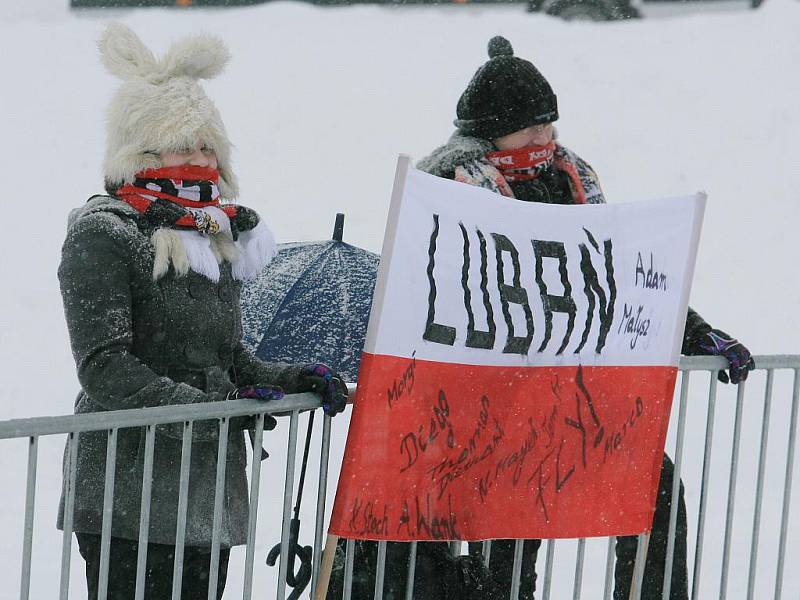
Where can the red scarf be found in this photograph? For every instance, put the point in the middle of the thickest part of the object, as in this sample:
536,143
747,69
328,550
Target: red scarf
186,185
523,164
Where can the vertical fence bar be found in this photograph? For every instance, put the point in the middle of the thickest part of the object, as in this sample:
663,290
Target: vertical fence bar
701,517
412,567
548,569
30,501
762,461
252,517
487,552
322,490
516,572
638,566
144,510
726,548
219,496
350,550
787,487
183,502
287,504
676,486
380,570
608,587
576,588
69,508
108,513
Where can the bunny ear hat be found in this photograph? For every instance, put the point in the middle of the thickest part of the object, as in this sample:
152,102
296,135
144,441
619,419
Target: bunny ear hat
160,106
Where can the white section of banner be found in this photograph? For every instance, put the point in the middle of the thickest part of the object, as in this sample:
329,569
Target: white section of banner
560,275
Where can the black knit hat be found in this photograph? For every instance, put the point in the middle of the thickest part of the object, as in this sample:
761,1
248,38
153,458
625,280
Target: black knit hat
505,95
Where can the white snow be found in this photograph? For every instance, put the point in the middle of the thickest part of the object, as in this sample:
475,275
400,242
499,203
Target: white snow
319,102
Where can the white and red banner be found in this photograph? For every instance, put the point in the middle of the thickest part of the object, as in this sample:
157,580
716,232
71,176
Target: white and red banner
519,366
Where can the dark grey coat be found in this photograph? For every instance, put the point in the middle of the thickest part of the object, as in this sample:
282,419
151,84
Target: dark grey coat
139,343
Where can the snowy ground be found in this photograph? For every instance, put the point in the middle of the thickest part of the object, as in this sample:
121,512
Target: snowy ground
319,103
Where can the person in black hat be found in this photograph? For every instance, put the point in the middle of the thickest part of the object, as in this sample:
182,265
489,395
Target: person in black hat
505,141
505,138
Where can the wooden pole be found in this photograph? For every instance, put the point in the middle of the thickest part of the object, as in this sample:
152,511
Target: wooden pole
326,567
641,555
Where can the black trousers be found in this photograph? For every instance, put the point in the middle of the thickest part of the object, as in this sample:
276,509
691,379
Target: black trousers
432,575
653,581
502,555
431,580
501,565
158,573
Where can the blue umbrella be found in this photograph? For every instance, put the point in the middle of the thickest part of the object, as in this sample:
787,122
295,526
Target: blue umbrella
311,304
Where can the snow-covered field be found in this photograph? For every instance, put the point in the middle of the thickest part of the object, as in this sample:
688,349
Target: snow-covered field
319,102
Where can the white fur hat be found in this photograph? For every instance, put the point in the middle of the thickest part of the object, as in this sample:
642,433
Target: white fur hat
160,107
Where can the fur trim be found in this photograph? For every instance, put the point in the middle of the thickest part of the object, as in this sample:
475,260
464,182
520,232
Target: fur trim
463,158
258,249
459,150
169,249
201,257
124,54
160,106
224,248
189,249
200,56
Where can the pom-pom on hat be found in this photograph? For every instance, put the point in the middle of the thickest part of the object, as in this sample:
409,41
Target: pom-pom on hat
160,106
505,95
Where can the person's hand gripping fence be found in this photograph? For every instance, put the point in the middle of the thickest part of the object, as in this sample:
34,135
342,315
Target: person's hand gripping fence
264,393
718,343
323,380
256,392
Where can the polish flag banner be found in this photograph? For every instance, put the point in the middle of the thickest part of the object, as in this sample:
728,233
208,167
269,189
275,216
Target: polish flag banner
519,368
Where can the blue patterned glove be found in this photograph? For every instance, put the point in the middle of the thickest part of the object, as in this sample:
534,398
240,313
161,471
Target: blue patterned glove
257,392
719,343
326,382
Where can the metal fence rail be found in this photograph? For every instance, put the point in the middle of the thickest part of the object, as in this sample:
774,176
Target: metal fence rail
74,425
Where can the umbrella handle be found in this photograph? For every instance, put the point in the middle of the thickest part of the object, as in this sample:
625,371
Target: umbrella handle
298,580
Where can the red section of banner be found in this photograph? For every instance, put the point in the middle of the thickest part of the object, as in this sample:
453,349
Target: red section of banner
450,451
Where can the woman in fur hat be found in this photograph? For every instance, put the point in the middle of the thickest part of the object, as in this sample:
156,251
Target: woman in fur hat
150,278
505,141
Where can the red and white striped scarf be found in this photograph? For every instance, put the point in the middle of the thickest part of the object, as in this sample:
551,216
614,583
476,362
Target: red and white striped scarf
188,186
523,164
193,230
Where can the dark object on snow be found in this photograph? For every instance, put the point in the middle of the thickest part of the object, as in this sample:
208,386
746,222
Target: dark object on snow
594,10
438,575
588,10
151,3
311,305
505,95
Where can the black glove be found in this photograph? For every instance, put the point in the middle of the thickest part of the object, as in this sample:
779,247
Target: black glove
256,392
326,382
718,343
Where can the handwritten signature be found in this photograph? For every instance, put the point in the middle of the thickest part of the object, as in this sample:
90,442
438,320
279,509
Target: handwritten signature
413,444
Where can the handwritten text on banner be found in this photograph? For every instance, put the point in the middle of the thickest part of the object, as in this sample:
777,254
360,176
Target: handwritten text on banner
519,366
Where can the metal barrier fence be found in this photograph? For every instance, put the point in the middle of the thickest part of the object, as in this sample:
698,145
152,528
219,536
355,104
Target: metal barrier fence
73,425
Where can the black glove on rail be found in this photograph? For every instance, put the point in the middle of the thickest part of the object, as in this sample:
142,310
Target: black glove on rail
718,343
327,383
